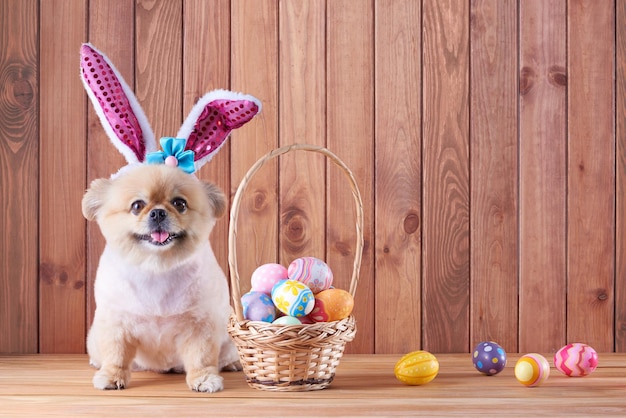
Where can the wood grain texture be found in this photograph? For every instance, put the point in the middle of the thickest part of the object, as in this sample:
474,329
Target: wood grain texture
62,181
206,67
19,158
468,198
254,70
302,119
543,179
446,246
620,165
158,64
494,179
591,169
103,159
364,386
350,135
398,179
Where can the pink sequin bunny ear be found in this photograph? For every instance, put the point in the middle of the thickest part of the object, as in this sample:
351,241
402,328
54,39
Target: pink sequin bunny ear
212,119
115,104
205,130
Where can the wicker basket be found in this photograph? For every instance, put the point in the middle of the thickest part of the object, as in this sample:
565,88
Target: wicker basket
290,357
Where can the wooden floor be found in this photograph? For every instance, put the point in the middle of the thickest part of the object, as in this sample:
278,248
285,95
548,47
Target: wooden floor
60,385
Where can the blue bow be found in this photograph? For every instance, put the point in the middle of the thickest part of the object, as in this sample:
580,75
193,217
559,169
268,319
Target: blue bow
173,154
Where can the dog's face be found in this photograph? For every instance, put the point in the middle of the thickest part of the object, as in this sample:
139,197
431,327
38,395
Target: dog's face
155,215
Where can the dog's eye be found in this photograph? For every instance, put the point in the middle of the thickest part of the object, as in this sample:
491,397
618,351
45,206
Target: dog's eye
180,204
137,206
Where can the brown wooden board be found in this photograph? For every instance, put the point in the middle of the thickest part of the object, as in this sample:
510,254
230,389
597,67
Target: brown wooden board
364,385
446,182
254,70
206,67
398,181
350,133
159,63
302,119
19,172
543,187
620,166
591,174
494,174
62,181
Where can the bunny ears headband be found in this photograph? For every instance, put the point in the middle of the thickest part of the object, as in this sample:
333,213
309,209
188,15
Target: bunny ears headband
202,134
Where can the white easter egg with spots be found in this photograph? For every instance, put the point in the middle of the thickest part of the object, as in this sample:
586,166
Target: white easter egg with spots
266,276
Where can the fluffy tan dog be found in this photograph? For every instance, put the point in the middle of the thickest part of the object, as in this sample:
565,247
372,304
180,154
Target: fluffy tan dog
161,297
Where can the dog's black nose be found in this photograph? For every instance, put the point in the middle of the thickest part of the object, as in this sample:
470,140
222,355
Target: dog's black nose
158,215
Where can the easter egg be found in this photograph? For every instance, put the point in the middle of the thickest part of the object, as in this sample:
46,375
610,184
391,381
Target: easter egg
532,369
287,320
257,306
311,271
489,358
266,276
576,360
293,298
332,305
416,368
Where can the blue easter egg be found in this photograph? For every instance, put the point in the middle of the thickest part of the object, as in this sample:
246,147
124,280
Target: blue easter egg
257,306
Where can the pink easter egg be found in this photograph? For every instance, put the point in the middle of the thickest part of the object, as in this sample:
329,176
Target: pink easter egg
576,360
266,276
311,271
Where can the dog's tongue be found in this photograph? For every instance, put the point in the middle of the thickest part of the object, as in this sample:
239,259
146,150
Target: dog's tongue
160,236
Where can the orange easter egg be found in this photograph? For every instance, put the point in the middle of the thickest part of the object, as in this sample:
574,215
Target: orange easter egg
332,305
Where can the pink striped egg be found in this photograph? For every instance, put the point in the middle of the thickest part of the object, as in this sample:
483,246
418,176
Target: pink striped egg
576,360
311,271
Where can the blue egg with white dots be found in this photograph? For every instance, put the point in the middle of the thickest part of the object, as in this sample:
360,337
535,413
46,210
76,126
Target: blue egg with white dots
489,358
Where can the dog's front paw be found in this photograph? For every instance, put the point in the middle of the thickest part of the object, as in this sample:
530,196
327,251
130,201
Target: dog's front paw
206,383
117,379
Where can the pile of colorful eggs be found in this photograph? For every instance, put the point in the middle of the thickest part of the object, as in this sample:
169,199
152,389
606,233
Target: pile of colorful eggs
300,294
574,360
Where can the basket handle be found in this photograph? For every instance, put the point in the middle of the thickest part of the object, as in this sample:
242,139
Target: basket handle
232,230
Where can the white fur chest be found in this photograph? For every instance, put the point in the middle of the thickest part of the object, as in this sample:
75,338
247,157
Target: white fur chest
144,293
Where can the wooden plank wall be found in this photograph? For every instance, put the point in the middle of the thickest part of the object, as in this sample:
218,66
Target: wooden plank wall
487,138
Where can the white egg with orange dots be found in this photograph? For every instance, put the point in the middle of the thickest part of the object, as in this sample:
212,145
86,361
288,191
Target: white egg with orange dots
532,369
332,305
417,368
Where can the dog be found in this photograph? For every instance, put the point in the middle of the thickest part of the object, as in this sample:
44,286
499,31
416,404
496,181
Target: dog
162,301
161,296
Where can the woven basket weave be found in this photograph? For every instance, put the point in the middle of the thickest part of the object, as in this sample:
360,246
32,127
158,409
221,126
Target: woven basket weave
290,357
